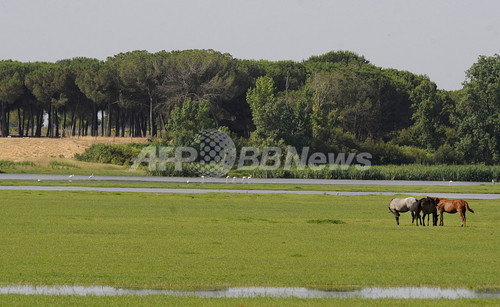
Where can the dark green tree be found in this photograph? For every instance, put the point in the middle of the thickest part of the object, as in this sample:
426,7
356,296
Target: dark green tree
428,115
198,75
11,89
186,120
99,84
138,87
479,112
44,86
272,116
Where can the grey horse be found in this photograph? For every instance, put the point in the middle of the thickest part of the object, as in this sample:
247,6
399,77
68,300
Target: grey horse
398,205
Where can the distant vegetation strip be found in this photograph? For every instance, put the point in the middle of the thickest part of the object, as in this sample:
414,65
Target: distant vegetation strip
7,164
123,154
119,154
376,172
478,172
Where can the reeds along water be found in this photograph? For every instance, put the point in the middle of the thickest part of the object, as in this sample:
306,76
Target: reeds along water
477,173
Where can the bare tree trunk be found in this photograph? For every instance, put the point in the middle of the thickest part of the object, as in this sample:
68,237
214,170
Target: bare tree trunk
131,127
79,126
8,124
102,122
4,122
19,122
64,123
108,128
49,126
39,123
92,120
151,134
73,124
30,116
123,121
117,123
56,117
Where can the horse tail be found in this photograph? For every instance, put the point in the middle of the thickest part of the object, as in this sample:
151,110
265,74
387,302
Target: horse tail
389,206
468,208
419,204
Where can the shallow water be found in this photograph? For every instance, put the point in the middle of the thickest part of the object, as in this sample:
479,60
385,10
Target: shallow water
237,292
49,177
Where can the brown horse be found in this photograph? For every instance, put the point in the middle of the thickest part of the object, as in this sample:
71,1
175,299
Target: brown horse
452,206
428,206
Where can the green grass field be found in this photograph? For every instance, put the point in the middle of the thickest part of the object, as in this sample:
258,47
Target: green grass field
210,241
482,188
21,300
68,167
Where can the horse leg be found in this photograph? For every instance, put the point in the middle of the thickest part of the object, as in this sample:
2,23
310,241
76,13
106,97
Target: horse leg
417,217
462,215
423,219
441,217
434,219
396,215
428,216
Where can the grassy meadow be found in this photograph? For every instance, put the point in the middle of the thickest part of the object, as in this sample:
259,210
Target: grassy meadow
405,189
185,242
24,300
66,166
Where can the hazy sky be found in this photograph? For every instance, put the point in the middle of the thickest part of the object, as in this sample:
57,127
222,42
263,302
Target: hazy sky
435,37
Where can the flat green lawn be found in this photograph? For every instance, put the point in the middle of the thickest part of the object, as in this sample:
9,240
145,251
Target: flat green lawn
482,188
21,300
210,241
215,240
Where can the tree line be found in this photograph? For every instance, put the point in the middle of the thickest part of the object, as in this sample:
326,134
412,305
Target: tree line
335,102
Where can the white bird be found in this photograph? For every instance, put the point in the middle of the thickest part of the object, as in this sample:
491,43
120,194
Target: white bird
39,180
493,181
234,179
227,179
243,179
187,182
248,179
71,178
451,181
91,176
202,179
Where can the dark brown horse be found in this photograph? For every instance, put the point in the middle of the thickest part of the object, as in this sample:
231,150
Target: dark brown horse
452,206
427,206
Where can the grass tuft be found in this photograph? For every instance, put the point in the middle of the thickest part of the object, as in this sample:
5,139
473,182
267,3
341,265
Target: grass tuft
328,221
